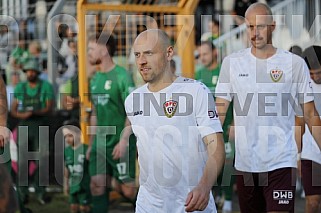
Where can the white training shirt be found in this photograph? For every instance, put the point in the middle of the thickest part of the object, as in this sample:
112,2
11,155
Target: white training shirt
310,148
262,90
169,126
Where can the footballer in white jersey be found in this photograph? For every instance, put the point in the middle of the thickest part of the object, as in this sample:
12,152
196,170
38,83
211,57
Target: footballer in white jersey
264,114
169,126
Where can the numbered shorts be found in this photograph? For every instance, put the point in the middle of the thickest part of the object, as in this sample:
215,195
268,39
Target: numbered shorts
82,198
101,162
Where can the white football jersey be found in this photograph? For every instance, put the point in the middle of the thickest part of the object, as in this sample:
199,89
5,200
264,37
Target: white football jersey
264,94
310,148
169,126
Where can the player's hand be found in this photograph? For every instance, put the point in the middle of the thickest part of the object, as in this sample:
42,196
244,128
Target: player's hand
120,149
88,152
26,115
197,199
4,136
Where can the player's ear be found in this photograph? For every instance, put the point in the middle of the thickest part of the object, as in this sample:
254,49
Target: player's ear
170,52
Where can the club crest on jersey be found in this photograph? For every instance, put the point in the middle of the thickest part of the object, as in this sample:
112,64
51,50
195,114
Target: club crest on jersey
170,108
276,75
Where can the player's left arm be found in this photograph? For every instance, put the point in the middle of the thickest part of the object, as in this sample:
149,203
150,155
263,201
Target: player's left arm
312,119
198,198
126,86
121,147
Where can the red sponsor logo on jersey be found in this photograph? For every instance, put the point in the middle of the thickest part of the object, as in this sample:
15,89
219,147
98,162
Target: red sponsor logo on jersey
170,108
276,75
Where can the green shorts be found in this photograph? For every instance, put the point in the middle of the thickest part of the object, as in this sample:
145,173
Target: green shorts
82,198
101,162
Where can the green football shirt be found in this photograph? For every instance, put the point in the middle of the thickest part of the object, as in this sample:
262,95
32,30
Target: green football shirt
77,165
108,93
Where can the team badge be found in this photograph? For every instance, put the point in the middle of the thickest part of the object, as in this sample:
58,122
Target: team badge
170,108
276,75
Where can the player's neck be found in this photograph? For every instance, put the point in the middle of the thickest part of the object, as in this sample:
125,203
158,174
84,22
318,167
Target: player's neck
213,65
107,66
33,84
164,81
264,53
76,145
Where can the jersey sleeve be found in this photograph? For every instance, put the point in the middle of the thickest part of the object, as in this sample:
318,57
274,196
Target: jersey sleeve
304,84
223,88
206,115
48,92
129,107
18,91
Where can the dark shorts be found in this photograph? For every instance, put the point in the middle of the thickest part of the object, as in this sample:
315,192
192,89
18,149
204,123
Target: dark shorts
268,191
311,177
101,162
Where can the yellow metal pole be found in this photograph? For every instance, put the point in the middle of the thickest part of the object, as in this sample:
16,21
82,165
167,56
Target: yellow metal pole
131,8
82,72
186,42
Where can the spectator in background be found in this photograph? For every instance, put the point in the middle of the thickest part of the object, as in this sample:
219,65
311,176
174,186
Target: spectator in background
7,42
32,103
14,80
240,6
66,34
17,58
44,73
69,91
214,33
70,61
209,72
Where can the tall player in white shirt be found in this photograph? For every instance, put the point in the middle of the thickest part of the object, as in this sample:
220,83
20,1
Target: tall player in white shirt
311,154
179,136
265,83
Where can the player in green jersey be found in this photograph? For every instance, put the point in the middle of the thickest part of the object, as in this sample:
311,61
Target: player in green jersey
109,87
76,168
